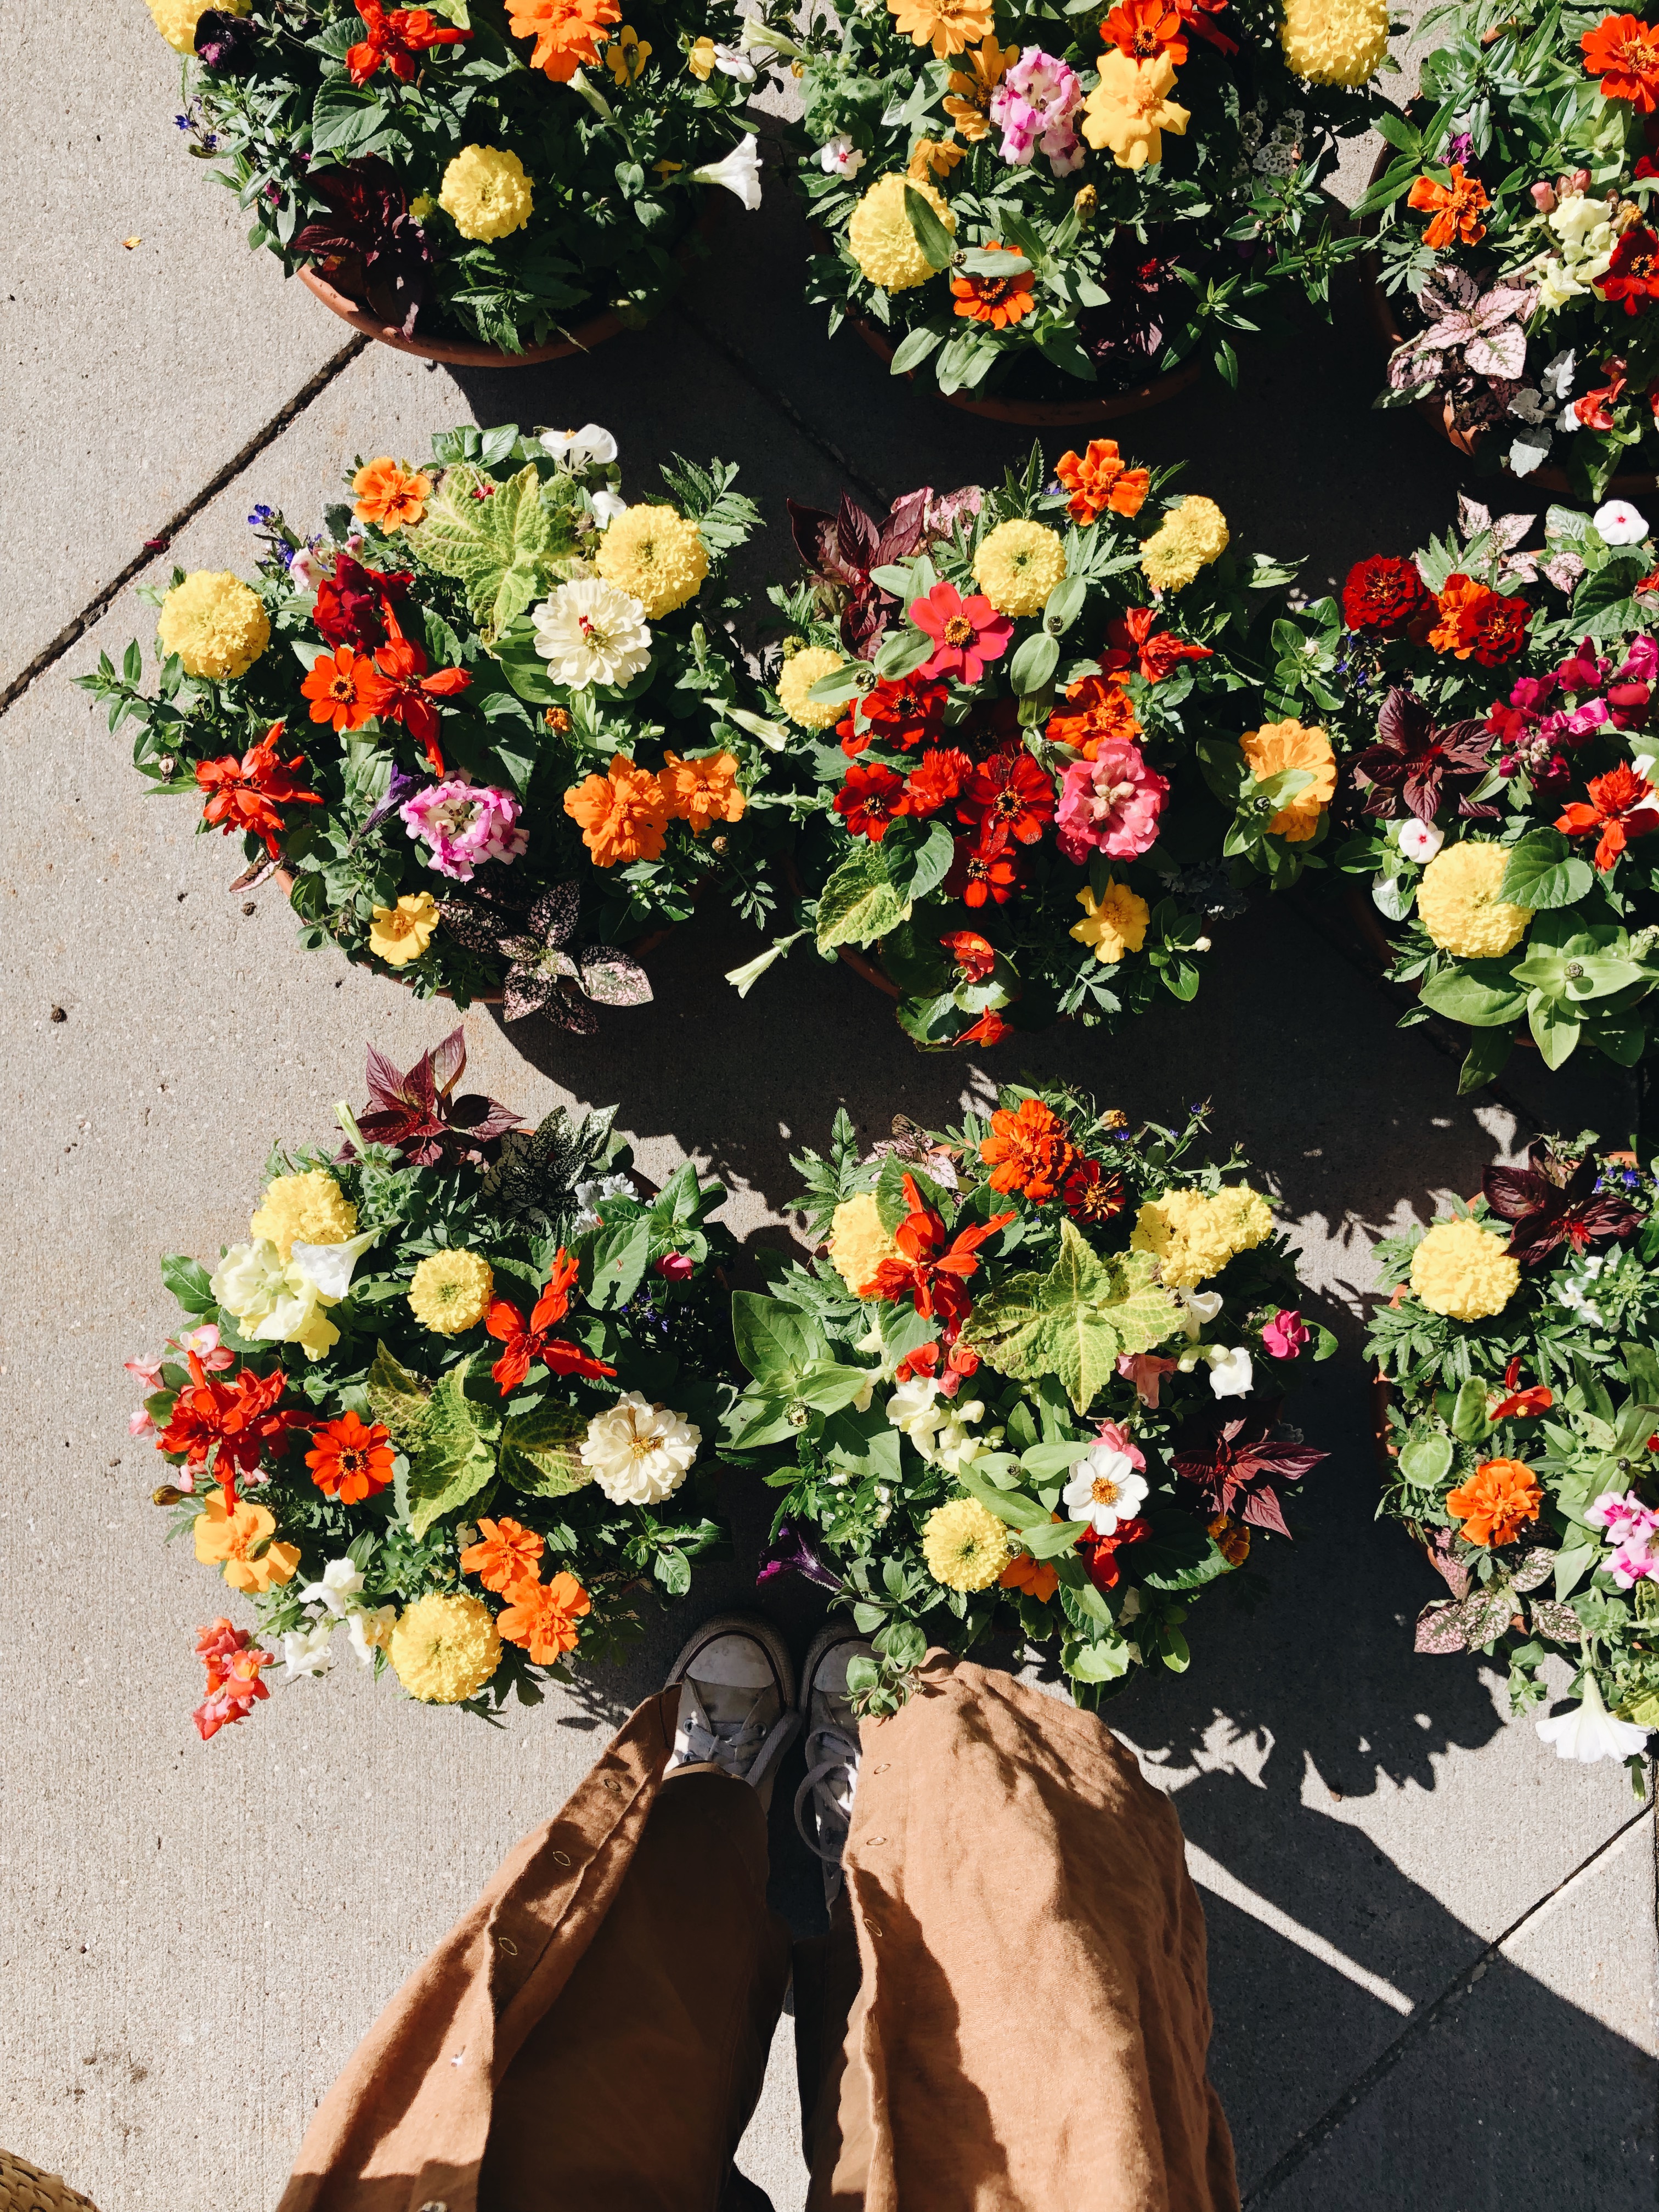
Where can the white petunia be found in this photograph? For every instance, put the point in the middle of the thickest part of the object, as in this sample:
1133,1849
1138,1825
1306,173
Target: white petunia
272,1302
739,172
305,1651
340,1584
1230,1371
840,157
582,448
588,632
607,506
328,1266
1106,1487
1420,841
638,1453
1620,524
1590,1732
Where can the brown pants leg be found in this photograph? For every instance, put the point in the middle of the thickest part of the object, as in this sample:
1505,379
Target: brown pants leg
632,2093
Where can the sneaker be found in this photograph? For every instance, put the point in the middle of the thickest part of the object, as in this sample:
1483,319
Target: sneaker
823,1803
738,1709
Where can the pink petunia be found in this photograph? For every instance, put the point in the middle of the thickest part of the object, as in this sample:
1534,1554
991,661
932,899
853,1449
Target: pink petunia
1110,804
465,824
967,634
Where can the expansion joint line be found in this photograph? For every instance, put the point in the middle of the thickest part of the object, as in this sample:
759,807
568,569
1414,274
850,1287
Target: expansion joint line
1460,1987
97,606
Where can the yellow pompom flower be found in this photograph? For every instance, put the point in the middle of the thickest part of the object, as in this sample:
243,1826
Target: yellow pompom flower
1463,1271
884,245
486,192
1279,745
1018,565
304,1209
1335,41
1130,109
176,19
1193,1236
1114,924
858,1243
451,1291
444,1650
965,1546
800,673
400,933
1458,902
1193,534
217,627
656,555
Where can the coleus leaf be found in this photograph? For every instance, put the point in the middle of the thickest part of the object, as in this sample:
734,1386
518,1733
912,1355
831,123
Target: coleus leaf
1074,1322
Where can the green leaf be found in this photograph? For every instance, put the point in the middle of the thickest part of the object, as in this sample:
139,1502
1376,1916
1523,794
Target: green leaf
618,1257
397,1400
1102,1660
541,1451
1544,871
932,236
1481,993
1073,1321
860,902
456,1456
914,349
1010,1505
1427,1461
1487,1055
344,119
1034,663
499,546
1468,1420
1555,1026
189,1282
775,1342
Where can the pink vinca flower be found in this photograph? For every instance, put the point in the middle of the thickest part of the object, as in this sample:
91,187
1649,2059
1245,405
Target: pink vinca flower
464,824
1111,804
1285,1334
1033,107
967,634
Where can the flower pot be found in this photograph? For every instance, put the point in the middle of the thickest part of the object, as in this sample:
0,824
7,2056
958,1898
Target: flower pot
1047,414
1363,914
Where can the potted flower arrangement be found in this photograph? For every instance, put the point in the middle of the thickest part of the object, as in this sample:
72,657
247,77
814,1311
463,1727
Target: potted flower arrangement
1045,214
461,186
1494,703
1055,754
453,1394
1520,1390
1518,246
1036,1377
479,725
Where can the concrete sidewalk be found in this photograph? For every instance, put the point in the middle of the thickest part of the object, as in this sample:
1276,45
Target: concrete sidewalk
1432,1951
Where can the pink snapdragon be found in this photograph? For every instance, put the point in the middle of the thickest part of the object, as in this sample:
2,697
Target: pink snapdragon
1285,1334
1632,1529
1033,107
465,824
1146,1371
1110,804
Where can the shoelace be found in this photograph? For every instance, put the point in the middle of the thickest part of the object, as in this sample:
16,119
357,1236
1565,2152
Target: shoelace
836,1753
735,1752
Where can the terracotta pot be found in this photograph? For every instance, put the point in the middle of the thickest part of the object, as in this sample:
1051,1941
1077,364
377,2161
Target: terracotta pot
1438,412
1050,414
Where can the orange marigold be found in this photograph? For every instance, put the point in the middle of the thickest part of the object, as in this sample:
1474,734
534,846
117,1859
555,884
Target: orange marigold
506,1553
1097,708
541,1617
1100,478
568,33
1624,52
1035,1577
701,790
1030,1149
1472,619
1231,1539
622,815
1279,745
1497,1502
1455,207
394,497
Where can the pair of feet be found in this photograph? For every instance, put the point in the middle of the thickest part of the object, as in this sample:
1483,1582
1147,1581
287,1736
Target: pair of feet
740,1710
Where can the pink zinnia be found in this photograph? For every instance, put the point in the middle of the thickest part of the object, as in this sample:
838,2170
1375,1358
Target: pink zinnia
1111,804
966,633
464,824
1285,1334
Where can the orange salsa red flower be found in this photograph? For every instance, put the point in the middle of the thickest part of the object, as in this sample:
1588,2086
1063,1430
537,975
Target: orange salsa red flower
1473,619
1096,708
1624,52
1497,1502
1030,1150
1099,479
351,1461
1456,207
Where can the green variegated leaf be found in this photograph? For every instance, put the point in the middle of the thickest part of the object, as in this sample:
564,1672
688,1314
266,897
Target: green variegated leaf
501,545
397,1400
541,1451
455,1457
1073,1321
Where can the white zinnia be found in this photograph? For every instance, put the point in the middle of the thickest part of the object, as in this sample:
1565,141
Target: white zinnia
1106,1487
582,448
591,633
1590,1732
1420,841
739,172
638,1453
1229,1371
1620,524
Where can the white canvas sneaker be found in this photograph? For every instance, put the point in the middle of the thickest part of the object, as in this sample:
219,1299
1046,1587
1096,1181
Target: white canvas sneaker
738,1709
823,1802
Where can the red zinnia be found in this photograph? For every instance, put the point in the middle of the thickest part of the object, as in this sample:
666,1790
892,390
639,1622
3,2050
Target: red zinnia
1144,29
1620,807
1091,1195
869,798
900,712
537,1343
967,634
1633,276
975,956
246,794
1383,593
1133,643
1008,793
983,871
351,1461
936,779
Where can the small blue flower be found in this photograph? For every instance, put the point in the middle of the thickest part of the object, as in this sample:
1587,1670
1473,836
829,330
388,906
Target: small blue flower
261,517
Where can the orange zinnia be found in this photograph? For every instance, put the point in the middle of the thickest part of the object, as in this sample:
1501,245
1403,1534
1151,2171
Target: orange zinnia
622,815
351,1461
1036,1577
998,301
1144,29
541,1617
949,26
1456,208
1100,478
388,495
1096,708
507,1554
1497,1502
1624,52
336,688
568,32
1027,1150
701,790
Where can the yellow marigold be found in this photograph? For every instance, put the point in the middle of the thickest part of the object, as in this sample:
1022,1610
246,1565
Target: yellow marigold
655,553
1193,534
304,1209
176,19
1193,1236
400,933
486,192
800,673
1018,564
965,1546
1279,745
444,1650
1464,1270
858,1243
1114,924
883,243
217,627
1458,902
947,26
451,1291
1335,41
1130,109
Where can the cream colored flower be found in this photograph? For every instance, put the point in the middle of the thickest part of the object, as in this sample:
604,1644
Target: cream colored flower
638,1453
589,632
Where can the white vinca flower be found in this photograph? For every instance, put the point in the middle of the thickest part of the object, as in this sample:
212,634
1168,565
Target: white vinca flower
739,172
1420,841
840,157
1229,1370
1590,1732
591,633
638,1453
1106,1487
588,448
1620,524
